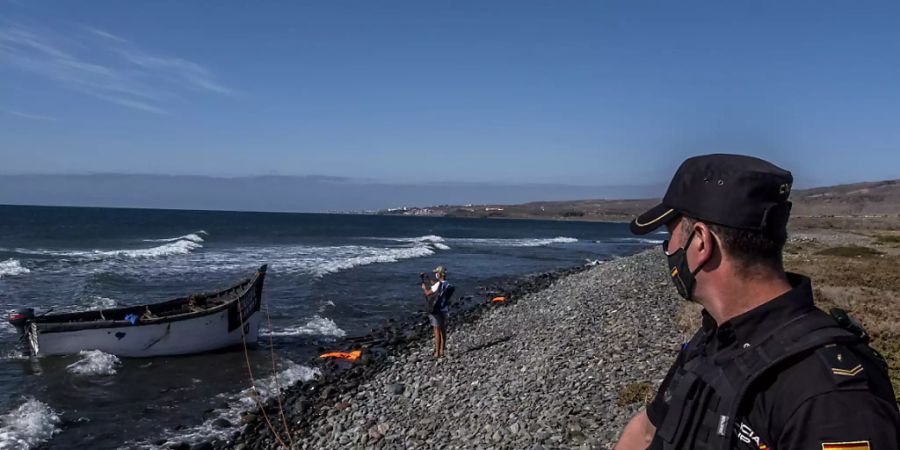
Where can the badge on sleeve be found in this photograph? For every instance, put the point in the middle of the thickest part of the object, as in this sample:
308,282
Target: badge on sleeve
855,445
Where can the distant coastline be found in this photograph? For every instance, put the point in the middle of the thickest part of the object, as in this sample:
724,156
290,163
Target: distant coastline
875,203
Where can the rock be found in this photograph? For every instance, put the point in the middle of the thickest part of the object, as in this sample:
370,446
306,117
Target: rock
342,406
248,419
180,446
397,388
202,446
221,423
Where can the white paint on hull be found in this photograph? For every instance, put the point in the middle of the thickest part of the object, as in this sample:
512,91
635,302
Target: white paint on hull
181,337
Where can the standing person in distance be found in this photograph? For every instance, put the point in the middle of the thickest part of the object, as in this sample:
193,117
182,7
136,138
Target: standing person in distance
438,306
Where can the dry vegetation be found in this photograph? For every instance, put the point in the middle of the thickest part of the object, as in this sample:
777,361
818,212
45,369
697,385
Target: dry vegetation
637,392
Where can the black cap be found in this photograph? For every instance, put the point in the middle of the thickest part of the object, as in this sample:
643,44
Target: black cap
732,190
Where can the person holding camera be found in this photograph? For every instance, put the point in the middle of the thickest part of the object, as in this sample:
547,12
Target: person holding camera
437,295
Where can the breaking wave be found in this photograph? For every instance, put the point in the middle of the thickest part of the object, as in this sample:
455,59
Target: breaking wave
241,402
193,237
27,426
12,267
94,362
429,240
320,326
636,240
363,256
181,247
539,242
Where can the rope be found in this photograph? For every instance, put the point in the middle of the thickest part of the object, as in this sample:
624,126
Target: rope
252,382
287,429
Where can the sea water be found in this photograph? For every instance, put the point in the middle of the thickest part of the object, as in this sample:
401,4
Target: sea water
330,276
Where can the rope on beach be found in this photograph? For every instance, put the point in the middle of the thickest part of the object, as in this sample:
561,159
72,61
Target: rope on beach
259,404
287,429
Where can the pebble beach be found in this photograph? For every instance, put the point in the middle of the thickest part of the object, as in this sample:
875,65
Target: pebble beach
563,364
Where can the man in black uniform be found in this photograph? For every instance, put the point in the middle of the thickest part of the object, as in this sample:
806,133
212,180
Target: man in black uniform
767,369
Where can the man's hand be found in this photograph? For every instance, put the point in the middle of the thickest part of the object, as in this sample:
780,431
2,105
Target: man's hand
638,434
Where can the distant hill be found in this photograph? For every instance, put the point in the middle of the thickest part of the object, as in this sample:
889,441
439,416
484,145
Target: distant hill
879,198
858,199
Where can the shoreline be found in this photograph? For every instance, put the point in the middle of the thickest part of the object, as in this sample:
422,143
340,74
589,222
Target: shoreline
565,363
613,321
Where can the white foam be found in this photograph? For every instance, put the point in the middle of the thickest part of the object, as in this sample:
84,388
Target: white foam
369,255
536,242
14,355
8,328
320,326
94,362
99,302
193,237
180,247
638,240
428,238
27,426
241,402
12,267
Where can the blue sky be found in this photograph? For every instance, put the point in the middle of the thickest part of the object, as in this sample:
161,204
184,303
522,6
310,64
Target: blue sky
587,93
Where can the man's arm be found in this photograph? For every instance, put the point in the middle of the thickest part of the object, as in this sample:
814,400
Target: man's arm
426,284
638,434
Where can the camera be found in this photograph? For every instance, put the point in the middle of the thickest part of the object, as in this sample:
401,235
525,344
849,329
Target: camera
422,276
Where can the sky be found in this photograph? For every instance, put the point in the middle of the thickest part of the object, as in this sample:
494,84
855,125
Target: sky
582,93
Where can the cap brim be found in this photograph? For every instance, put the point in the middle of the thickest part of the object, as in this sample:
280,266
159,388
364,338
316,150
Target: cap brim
654,218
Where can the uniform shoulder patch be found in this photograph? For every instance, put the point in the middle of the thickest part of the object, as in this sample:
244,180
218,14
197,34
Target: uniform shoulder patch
855,445
841,362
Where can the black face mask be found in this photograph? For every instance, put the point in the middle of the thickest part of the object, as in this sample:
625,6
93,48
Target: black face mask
679,270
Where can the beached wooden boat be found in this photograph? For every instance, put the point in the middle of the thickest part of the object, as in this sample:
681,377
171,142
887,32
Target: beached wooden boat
192,324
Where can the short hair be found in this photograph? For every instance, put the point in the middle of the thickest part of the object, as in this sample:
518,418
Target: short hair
751,250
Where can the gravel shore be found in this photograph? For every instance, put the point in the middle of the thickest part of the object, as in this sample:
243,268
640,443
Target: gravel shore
547,371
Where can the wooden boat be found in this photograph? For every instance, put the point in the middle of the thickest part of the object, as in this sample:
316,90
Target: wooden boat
193,324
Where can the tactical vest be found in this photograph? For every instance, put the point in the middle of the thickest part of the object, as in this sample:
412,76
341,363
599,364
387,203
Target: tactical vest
706,391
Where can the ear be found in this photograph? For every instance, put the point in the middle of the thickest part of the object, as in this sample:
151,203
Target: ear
704,243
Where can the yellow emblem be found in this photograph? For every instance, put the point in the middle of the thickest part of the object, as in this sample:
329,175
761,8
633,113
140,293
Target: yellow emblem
849,373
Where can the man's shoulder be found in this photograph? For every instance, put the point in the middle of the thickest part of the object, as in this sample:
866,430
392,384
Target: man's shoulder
829,369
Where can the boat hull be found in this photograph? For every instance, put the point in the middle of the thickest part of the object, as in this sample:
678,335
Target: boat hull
194,324
183,337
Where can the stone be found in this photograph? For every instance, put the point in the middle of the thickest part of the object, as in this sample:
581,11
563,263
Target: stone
249,418
397,388
221,423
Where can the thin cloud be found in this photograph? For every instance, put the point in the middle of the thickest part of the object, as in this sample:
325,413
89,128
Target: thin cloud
29,115
173,68
105,66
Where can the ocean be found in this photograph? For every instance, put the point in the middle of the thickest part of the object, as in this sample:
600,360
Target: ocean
330,276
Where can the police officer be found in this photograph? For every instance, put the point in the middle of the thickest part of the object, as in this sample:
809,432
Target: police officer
767,369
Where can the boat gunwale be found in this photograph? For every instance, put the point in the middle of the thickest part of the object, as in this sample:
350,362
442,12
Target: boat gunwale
63,323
